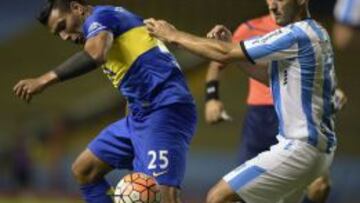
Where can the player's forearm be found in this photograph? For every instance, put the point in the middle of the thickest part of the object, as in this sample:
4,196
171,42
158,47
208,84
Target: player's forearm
213,71
48,78
212,81
94,55
79,64
219,51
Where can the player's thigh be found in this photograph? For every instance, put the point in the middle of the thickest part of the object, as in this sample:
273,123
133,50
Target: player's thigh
162,143
295,196
113,145
269,177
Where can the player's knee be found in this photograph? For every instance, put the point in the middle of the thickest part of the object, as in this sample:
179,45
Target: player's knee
319,189
222,193
87,169
82,172
214,196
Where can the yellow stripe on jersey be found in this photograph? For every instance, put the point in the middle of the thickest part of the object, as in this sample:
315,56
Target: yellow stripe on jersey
124,52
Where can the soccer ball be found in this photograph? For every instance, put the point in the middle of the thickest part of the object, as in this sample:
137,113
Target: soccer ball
137,188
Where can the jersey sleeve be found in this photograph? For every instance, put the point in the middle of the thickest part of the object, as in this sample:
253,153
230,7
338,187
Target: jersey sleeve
277,45
116,20
102,21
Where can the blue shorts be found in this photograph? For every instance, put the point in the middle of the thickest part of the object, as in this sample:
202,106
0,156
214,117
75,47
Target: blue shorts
259,132
155,143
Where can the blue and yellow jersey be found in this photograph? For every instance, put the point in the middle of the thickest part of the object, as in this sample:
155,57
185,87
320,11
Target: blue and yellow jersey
137,64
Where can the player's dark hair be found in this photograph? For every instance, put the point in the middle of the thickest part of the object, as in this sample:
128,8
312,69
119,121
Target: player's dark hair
63,5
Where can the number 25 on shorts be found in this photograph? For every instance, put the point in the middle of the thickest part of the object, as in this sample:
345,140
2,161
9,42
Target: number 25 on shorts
158,159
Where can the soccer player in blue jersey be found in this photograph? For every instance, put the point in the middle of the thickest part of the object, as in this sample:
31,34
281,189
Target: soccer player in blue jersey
155,137
302,79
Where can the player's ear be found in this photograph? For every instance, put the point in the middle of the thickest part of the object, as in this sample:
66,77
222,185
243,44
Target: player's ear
76,7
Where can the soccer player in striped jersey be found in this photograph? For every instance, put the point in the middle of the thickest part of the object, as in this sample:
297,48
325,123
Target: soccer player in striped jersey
302,78
155,137
260,109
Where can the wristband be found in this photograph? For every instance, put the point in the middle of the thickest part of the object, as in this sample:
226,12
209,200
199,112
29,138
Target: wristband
212,90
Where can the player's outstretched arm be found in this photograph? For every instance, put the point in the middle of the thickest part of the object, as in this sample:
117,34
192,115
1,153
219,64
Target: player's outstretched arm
93,55
223,52
214,107
258,72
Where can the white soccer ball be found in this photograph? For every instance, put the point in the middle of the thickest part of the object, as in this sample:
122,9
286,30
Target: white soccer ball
137,188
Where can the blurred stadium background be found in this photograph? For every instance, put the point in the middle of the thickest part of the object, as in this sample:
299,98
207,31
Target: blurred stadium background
38,142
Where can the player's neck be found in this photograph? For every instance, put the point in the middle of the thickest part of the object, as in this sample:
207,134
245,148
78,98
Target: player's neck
304,14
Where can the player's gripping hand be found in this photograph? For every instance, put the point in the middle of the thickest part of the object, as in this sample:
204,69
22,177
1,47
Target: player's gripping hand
26,89
220,32
160,29
215,113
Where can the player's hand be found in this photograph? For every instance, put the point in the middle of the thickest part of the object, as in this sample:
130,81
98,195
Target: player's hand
160,29
220,32
25,89
215,113
340,99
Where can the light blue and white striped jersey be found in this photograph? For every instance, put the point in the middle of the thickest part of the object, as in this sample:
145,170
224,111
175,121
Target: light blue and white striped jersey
302,80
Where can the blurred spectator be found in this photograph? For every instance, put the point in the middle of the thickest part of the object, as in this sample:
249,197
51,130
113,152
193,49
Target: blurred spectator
347,25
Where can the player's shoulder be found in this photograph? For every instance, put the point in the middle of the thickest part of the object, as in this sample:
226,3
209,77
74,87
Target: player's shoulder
309,29
303,24
103,8
111,18
99,14
111,11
